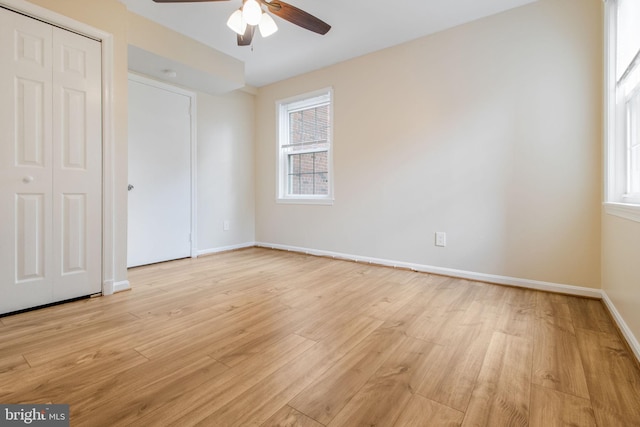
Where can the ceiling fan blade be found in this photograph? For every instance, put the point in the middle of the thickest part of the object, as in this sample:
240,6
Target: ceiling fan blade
183,1
245,39
297,16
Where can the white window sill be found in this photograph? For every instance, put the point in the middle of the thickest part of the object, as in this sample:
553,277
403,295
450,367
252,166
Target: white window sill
305,201
623,210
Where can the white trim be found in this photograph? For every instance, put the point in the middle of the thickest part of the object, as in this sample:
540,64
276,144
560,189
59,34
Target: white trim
305,200
609,128
120,286
624,328
108,130
226,248
481,277
140,78
194,175
623,210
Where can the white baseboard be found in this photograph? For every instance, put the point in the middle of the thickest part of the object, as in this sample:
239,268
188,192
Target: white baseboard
107,287
481,277
624,328
122,285
226,248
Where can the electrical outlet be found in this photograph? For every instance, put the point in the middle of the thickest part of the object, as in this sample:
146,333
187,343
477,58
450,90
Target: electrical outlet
225,225
441,238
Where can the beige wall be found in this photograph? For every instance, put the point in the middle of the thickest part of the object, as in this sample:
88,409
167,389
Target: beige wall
225,170
490,131
620,268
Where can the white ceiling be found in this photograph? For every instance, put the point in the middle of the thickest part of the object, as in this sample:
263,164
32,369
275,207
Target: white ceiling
358,27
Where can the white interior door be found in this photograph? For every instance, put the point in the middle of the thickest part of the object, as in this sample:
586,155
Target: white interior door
50,164
159,227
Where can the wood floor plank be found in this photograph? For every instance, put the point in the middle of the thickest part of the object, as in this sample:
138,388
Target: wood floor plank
422,412
90,344
327,319
590,314
267,397
454,368
12,363
396,296
518,313
206,331
127,409
128,398
326,397
612,377
554,309
35,339
383,398
502,393
435,323
210,397
407,314
64,384
550,408
289,417
556,360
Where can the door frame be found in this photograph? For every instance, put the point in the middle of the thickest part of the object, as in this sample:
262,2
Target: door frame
109,251
141,78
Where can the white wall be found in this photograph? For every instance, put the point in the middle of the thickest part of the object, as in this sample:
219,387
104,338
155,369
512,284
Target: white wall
225,181
490,132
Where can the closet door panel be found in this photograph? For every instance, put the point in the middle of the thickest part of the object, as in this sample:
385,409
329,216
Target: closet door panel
26,265
77,165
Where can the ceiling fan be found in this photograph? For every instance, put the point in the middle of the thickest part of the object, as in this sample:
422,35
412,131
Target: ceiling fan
245,20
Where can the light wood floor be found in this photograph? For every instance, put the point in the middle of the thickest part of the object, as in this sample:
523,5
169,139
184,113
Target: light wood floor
269,338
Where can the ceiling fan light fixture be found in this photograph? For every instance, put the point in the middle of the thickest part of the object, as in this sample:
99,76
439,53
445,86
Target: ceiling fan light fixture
267,25
252,12
236,22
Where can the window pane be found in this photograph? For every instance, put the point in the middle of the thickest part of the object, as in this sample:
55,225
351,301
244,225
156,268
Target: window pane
309,128
308,173
306,163
628,34
322,161
321,183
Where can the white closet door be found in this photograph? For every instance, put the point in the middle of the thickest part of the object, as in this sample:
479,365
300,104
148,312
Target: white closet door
46,235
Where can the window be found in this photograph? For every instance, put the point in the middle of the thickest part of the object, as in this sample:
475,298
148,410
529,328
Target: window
304,149
622,188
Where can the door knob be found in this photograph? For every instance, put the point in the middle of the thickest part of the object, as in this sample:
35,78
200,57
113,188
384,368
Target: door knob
27,179
130,187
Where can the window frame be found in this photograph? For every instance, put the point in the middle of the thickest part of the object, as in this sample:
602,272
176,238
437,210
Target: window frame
617,126
283,108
